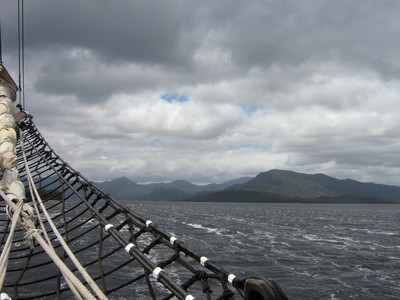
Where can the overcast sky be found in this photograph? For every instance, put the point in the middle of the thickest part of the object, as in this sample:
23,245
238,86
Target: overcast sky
213,90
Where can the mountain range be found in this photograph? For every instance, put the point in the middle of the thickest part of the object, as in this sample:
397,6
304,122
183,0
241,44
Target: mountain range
123,188
270,186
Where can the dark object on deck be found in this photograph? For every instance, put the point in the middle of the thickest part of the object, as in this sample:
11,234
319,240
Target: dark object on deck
259,288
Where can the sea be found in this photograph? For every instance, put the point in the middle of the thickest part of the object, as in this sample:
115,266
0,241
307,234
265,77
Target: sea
314,251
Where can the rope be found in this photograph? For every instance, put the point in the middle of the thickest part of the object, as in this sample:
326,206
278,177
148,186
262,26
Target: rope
7,246
32,232
76,262
71,279
38,213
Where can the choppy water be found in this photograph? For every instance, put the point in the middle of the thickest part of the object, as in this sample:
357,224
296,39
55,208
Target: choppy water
314,251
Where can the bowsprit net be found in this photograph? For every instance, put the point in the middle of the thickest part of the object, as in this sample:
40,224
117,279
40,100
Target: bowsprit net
126,256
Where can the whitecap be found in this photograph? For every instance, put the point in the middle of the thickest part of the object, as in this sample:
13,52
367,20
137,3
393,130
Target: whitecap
208,229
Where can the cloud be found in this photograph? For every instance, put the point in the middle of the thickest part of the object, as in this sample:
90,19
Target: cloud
291,33
114,30
213,90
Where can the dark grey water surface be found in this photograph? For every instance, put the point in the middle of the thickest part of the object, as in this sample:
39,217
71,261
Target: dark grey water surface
314,251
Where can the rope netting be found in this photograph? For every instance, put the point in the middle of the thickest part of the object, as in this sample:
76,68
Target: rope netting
126,255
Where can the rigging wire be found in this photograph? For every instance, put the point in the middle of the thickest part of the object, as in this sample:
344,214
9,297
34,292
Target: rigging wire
19,50
21,53
1,55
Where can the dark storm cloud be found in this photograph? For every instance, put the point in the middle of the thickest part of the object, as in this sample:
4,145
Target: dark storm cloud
359,33
257,33
136,31
87,46
167,34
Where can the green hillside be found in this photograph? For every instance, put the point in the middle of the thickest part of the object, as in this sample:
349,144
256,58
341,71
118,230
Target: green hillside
288,186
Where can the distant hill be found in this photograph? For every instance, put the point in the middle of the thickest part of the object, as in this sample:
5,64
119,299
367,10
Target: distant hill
222,186
288,186
123,188
165,194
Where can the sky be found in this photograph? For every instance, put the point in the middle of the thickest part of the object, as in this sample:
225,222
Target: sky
208,90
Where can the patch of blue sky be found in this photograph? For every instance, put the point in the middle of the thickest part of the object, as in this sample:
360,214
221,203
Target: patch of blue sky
174,97
234,147
250,146
250,108
159,142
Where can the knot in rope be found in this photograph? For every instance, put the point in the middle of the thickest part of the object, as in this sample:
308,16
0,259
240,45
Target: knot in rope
226,295
30,233
24,218
169,261
203,276
25,215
